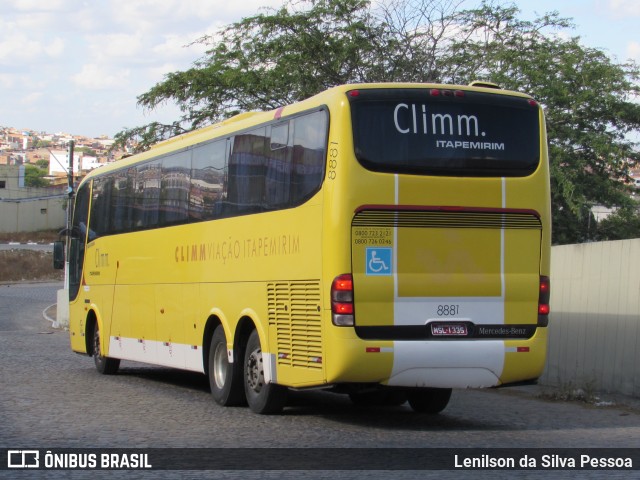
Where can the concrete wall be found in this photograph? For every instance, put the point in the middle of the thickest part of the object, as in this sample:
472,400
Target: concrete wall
594,329
27,209
32,215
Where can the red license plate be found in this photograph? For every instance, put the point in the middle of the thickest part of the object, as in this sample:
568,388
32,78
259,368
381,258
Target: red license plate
449,329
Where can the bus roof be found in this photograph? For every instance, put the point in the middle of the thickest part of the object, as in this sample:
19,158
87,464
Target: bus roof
248,119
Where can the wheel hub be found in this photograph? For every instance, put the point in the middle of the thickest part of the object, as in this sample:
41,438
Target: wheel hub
96,345
221,364
255,373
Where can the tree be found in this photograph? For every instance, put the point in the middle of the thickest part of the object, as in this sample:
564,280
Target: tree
281,56
34,177
623,224
587,99
42,164
38,143
268,60
87,151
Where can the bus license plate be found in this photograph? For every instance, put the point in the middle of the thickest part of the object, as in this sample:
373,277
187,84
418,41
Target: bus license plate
449,329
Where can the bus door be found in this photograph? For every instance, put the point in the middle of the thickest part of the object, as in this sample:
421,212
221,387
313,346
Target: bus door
78,238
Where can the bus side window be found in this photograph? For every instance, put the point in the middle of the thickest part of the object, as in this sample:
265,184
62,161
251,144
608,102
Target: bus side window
245,183
207,193
121,208
149,176
309,154
101,206
175,185
277,187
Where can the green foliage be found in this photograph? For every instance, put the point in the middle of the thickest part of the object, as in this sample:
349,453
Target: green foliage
42,143
586,97
622,225
34,177
273,59
281,56
87,151
42,164
146,135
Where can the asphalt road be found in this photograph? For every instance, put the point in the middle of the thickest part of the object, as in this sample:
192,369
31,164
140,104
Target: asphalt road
52,398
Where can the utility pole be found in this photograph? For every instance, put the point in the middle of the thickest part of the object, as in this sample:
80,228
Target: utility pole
69,213
62,315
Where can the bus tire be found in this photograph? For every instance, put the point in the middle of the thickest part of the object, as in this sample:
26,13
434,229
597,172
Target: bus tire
225,378
429,400
104,365
264,398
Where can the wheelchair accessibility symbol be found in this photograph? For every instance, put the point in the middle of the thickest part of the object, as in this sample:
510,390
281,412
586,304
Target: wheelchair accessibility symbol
379,261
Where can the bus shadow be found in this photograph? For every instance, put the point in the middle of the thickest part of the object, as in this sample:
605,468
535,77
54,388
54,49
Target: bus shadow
339,408
169,376
330,406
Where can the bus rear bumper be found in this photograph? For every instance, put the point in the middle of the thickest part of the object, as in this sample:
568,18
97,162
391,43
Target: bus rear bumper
446,364
439,363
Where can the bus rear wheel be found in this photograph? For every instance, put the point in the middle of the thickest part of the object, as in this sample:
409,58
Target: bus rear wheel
429,400
225,378
264,398
104,365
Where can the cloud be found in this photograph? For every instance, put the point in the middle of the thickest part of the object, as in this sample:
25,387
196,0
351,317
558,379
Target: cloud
97,77
183,16
624,8
179,46
633,51
32,98
20,44
7,81
40,6
36,17
55,48
115,46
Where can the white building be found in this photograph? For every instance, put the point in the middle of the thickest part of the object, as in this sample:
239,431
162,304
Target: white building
59,162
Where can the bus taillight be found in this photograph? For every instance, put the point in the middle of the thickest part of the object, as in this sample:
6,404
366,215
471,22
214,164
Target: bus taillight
342,300
436,92
543,301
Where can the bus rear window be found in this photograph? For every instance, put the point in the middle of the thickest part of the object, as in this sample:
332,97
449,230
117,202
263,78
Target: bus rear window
458,133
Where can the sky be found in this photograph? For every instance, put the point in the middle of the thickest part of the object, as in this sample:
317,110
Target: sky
77,66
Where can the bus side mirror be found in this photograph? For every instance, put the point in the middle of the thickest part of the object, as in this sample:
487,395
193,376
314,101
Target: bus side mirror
58,255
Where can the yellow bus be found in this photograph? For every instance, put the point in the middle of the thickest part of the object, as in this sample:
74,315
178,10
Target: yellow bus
386,241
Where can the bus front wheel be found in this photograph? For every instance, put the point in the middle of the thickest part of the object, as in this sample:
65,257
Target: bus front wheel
104,365
429,400
225,378
264,398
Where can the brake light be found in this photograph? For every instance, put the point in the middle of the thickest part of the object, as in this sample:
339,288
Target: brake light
543,301
436,92
342,311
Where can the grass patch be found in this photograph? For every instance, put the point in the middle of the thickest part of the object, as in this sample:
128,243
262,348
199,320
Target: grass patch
571,393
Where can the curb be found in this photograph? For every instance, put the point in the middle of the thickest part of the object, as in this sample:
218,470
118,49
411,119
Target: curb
46,314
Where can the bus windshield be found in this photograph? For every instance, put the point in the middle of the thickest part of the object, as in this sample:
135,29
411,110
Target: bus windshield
445,132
